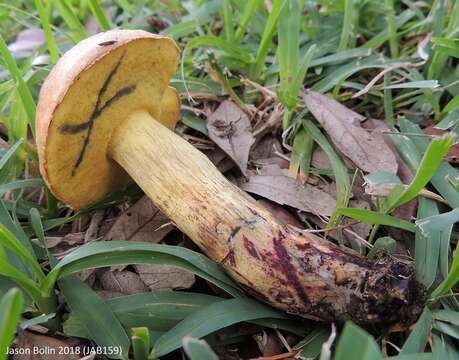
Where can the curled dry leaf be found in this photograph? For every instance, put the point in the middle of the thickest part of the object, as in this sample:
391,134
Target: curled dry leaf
366,151
229,127
274,184
164,277
141,222
41,347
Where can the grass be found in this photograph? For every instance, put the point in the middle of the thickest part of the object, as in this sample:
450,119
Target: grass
407,51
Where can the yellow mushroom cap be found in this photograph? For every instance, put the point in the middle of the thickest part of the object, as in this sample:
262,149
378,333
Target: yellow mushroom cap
94,87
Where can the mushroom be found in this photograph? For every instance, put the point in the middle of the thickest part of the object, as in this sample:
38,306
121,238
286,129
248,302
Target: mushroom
105,116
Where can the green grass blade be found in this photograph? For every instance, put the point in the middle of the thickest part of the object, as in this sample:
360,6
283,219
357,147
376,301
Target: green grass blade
107,253
212,318
9,241
300,159
159,310
10,152
356,343
100,322
427,247
10,312
99,14
417,340
442,225
231,49
348,32
339,170
21,184
46,25
267,37
430,162
288,51
249,11
140,340
22,88
71,19
197,349
392,28
376,218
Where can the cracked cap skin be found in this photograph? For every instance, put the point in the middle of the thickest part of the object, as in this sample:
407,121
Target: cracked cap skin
93,88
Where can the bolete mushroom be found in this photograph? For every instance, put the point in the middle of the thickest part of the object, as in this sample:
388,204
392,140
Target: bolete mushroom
105,115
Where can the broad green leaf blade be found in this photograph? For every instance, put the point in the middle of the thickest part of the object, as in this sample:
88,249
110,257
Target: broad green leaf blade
417,340
311,346
158,310
100,322
427,246
10,312
107,253
441,225
355,343
212,318
9,241
198,349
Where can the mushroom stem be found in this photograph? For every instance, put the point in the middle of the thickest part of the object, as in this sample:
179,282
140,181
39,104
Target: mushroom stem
279,264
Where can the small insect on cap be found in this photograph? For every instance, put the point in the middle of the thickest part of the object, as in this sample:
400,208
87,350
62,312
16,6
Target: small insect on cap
91,90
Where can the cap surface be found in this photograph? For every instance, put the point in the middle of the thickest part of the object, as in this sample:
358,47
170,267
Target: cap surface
92,88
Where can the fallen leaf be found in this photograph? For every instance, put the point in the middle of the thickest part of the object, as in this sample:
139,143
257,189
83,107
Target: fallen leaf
268,343
453,153
366,151
280,213
320,159
273,183
28,40
406,211
41,347
126,282
93,229
229,127
267,147
165,277
141,222
61,243
108,294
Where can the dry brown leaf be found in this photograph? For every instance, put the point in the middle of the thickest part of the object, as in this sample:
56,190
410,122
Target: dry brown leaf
108,294
126,282
41,347
141,222
268,343
366,151
320,159
93,229
453,153
165,277
62,243
28,40
280,213
229,127
274,184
